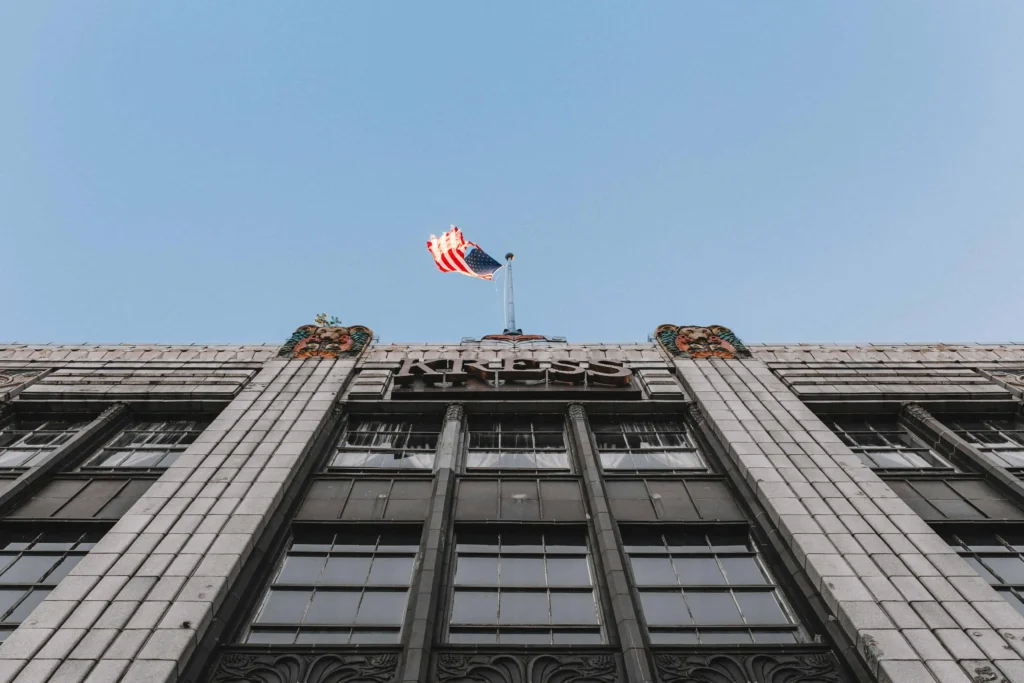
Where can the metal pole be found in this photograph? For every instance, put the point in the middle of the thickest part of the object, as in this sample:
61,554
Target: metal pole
510,305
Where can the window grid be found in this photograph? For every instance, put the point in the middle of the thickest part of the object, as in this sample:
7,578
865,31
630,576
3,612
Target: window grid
885,444
26,443
147,444
349,587
1003,439
701,589
518,444
998,558
387,444
524,587
31,565
664,445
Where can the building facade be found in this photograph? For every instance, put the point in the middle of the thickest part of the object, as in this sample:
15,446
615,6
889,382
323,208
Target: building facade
512,509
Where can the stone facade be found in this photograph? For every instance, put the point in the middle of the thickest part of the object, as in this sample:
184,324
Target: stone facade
874,588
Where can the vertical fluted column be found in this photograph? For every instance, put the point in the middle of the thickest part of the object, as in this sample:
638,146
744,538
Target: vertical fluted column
420,625
624,613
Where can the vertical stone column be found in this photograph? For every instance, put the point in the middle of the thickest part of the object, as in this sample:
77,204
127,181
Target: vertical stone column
627,622
420,626
136,606
914,610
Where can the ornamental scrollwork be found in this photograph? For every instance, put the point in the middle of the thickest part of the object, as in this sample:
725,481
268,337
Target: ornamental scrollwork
16,379
515,668
308,668
328,338
713,341
746,668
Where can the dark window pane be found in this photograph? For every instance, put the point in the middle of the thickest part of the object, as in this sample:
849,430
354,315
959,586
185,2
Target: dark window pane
774,637
573,608
271,637
525,637
698,571
523,608
742,570
730,543
315,541
760,608
477,571
1009,569
712,608
322,637
332,607
725,637
577,638
665,609
350,571
300,569
284,607
521,542
473,637
391,571
568,571
26,606
29,568
470,607
522,571
360,636
62,569
673,638
384,607
654,571
8,598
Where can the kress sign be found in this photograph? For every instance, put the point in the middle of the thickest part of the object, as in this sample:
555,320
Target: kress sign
459,376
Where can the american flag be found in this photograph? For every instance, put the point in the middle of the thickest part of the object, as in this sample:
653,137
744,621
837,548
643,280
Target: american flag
449,252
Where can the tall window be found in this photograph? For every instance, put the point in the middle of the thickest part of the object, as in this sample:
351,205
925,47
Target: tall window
523,587
698,588
646,445
394,444
1003,439
147,444
884,443
512,443
32,563
25,443
998,558
347,587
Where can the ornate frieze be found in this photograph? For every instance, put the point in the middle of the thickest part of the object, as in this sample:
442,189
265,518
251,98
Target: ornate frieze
524,668
328,338
239,667
743,667
13,380
713,341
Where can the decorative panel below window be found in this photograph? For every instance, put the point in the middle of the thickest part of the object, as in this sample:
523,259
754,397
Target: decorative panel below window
527,500
338,588
955,499
94,498
367,499
31,565
26,443
524,587
698,588
693,500
148,444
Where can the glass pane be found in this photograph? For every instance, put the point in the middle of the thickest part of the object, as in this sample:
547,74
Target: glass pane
7,599
568,571
476,571
523,608
522,571
698,571
760,608
725,637
982,571
363,636
391,571
730,543
521,542
349,459
284,607
299,569
322,637
482,459
742,570
471,607
1009,569
332,607
349,571
653,571
29,568
525,637
665,609
774,637
679,542
673,638
271,637
473,637
577,638
24,609
62,569
315,541
713,608
1012,598
573,608
383,607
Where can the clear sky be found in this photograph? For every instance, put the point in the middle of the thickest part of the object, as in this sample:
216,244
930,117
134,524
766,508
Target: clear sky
797,171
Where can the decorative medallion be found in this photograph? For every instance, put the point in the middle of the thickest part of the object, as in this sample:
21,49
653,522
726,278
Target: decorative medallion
713,341
522,668
238,667
14,380
328,338
742,667
1011,379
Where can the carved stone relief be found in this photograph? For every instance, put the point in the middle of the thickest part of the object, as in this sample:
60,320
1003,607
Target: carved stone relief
326,341
743,667
713,341
238,667
523,668
13,380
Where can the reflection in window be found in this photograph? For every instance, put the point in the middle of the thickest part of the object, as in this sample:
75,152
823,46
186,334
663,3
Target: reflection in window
341,588
517,444
698,588
26,443
1002,439
998,558
394,444
523,587
884,443
31,565
646,445
148,444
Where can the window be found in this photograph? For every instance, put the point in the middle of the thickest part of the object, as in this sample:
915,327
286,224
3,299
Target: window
646,445
394,444
537,444
698,588
1003,439
338,588
998,558
523,587
32,563
26,443
149,444
886,444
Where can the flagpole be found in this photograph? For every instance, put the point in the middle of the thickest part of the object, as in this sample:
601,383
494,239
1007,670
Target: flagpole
510,305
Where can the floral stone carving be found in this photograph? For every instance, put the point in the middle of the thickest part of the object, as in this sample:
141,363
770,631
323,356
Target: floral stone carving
713,341
238,667
523,668
742,667
328,338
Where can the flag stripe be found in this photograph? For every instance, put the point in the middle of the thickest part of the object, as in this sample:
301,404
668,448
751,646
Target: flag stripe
449,252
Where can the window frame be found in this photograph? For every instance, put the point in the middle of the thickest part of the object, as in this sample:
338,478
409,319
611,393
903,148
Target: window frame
83,464
685,430
337,447
846,436
993,450
532,418
13,421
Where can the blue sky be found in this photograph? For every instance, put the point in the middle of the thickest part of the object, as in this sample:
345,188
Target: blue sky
801,171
